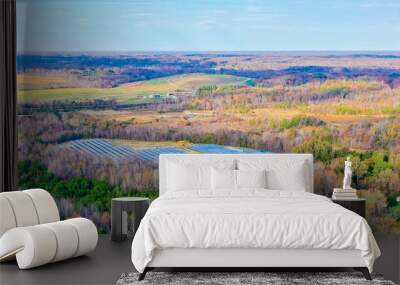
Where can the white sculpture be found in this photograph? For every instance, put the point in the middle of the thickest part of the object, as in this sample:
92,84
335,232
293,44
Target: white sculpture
347,174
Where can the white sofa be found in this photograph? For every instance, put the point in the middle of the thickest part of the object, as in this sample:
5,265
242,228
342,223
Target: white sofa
31,230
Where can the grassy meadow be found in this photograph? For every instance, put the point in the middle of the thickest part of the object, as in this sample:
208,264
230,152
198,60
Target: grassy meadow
136,92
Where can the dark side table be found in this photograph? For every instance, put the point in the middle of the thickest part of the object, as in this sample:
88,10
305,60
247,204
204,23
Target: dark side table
126,214
355,205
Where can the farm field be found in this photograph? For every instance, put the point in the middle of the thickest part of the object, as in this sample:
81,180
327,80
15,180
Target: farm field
30,81
251,119
137,92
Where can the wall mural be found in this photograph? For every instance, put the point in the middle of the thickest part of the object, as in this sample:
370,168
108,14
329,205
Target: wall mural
105,87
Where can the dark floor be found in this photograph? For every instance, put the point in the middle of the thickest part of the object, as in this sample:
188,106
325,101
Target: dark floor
389,262
110,260
103,266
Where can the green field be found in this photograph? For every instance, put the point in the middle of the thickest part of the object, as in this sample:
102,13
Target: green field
136,92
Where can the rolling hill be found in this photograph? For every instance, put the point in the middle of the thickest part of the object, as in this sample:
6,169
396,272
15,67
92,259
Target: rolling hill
136,92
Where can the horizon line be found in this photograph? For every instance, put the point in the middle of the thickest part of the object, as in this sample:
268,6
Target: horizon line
206,51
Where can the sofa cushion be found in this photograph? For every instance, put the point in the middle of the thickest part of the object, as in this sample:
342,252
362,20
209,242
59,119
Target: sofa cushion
23,208
45,205
7,220
41,244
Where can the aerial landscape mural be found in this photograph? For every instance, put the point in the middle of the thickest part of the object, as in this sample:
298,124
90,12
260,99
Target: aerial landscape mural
94,115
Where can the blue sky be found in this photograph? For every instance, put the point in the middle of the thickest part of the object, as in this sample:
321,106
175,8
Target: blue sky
239,25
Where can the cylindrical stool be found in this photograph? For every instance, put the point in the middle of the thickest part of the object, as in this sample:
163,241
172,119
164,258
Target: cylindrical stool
121,209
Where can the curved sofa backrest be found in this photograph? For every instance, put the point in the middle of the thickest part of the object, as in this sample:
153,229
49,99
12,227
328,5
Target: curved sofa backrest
26,208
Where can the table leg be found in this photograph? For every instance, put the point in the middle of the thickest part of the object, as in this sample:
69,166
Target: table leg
116,221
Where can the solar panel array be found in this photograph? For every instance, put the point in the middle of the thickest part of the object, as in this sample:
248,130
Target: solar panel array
216,148
104,148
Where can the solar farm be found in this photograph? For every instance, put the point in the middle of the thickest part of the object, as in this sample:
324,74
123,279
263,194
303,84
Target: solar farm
105,148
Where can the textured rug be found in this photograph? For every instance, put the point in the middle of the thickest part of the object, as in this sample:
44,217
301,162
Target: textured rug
243,278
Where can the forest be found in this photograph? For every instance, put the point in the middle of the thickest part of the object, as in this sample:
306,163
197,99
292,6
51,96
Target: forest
332,105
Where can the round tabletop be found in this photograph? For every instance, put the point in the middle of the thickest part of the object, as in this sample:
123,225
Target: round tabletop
130,199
